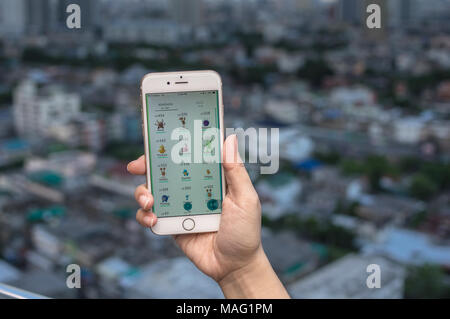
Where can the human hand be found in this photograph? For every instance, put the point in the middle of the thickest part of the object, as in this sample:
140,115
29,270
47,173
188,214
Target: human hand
234,253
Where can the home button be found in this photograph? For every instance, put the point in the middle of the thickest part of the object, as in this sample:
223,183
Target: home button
188,224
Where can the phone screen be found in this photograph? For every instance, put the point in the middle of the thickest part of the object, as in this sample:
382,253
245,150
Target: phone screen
185,153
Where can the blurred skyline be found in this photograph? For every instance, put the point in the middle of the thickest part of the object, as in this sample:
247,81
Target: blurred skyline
364,121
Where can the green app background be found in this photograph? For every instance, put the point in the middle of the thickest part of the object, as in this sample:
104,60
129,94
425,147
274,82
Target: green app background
202,183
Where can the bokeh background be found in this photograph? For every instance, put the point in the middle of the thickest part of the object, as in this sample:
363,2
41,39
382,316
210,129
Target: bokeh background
364,120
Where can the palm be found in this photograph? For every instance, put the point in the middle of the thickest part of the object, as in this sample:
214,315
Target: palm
216,254
199,248
238,237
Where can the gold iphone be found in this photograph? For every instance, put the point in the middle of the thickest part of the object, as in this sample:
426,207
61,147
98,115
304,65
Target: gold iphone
182,121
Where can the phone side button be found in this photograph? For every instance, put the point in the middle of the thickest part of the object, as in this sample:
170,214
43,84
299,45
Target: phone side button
188,224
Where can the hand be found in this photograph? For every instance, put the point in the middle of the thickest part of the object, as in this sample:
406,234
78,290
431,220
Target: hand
234,253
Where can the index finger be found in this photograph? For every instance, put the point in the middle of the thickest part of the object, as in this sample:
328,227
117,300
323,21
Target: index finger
137,167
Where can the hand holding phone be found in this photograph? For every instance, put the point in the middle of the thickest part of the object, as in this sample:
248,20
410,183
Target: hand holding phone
212,210
233,256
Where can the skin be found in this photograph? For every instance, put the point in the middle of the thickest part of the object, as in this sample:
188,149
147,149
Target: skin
233,256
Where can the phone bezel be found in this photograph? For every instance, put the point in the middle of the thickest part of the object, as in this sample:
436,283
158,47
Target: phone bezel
166,82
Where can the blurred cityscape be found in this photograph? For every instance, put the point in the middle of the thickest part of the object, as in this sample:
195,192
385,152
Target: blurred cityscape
364,122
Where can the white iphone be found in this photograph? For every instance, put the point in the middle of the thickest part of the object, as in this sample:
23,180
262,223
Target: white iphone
182,121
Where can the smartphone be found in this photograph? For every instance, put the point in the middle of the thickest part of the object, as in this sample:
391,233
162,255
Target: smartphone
182,122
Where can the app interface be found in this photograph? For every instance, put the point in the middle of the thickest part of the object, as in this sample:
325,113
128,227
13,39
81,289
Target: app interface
185,178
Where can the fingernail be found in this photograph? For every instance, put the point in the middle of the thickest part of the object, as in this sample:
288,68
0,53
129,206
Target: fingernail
128,166
148,221
236,150
143,201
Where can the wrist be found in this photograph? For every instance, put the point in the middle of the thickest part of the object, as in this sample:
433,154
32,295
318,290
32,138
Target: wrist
256,279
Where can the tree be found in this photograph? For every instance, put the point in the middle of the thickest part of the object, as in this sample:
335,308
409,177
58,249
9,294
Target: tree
427,281
376,167
351,167
331,158
422,187
315,71
439,173
6,97
409,164
311,228
124,151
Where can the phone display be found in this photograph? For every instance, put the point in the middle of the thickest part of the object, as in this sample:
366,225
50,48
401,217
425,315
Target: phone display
184,153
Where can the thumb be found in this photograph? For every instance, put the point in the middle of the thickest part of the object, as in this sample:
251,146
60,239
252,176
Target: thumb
238,181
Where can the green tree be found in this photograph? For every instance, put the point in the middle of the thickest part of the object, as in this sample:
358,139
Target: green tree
311,228
409,164
422,187
315,71
376,167
124,151
351,167
6,97
439,173
417,219
427,281
331,158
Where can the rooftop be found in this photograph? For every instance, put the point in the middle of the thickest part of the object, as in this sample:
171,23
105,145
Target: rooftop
410,247
346,278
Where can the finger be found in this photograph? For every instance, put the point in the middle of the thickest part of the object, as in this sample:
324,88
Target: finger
146,219
137,167
143,197
238,181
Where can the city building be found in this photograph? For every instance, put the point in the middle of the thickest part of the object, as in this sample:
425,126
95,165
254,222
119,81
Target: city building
187,12
111,270
83,130
410,247
351,11
8,273
279,194
36,110
13,19
295,144
46,283
386,208
346,279
290,256
41,17
402,13
44,17
6,122
285,112
13,151
150,31
408,130
308,67
69,164
90,17
171,278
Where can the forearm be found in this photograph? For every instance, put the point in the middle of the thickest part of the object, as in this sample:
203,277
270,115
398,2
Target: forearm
257,280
